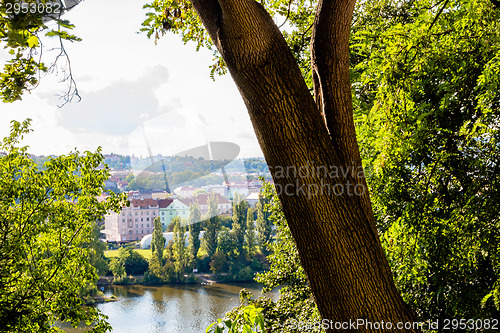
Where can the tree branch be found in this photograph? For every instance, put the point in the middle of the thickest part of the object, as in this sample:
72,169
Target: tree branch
330,67
437,15
210,14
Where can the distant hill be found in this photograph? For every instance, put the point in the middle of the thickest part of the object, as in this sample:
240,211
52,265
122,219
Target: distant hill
178,170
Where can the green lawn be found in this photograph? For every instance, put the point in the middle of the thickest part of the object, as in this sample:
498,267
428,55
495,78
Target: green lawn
145,253
114,253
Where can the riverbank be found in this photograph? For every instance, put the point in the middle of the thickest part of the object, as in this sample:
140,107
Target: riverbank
99,299
200,278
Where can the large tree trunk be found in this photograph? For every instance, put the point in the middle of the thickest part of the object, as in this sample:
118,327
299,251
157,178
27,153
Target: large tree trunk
335,232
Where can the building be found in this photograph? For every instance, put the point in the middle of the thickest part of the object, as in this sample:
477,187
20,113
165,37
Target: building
176,208
243,188
137,220
159,194
223,204
217,189
145,242
252,199
133,222
185,191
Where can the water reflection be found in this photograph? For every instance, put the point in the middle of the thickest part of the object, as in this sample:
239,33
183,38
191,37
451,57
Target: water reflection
170,308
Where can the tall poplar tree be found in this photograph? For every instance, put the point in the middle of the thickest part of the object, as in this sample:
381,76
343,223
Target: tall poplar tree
250,239
179,250
212,227
264,224
194,225
157,244
239,223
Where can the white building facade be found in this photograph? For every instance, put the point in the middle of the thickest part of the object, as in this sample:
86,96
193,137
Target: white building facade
133,222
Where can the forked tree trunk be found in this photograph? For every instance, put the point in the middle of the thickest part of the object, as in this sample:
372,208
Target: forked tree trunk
306,144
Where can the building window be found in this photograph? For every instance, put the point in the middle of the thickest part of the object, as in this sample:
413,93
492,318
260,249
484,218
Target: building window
142,225
147,225
135,219
136,232
170,212
147,218
147,213
162,213
142,219
130,232
135,213
136,225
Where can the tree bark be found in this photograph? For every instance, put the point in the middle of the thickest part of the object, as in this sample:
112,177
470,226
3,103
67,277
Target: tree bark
301,139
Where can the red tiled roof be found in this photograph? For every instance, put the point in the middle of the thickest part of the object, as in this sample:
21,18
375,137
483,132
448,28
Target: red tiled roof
164,203
202,199
186,201
143,202
187,188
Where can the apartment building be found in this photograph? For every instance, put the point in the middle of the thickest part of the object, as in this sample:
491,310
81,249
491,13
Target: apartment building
133,222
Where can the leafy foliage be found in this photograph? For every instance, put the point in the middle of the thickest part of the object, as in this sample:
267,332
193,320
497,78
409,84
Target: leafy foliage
248,319
194,230
239,223
264,223
212,226
427,110
250,235
133,262
179,250
97,258
156,263
21,33
46,222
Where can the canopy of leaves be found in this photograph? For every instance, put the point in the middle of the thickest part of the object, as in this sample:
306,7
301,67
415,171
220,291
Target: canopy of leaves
212,227
426,78
46,226
194,225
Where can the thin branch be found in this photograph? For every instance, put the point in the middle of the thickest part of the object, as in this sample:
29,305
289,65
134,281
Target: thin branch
287,14
72,89
437,15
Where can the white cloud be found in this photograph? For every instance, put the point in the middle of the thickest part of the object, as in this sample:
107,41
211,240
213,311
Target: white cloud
128,84
117,109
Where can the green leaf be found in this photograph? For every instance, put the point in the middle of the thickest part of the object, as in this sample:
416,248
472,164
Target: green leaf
33,41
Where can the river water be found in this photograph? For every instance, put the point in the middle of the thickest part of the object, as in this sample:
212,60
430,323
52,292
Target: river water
170,308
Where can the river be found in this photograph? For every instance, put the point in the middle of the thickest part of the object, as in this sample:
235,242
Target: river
170,308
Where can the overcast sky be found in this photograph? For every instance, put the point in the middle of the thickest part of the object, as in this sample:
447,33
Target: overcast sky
133,92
